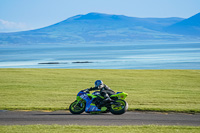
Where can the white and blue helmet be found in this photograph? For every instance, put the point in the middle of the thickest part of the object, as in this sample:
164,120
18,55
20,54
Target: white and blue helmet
98,83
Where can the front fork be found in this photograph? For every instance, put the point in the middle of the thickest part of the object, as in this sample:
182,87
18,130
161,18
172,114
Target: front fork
79,102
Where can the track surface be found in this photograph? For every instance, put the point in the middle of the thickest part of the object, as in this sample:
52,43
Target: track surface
66,118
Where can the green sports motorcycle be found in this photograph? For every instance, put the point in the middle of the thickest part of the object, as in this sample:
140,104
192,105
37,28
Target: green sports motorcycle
90,103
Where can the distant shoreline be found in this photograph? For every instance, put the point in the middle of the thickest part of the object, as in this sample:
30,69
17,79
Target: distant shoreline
49,63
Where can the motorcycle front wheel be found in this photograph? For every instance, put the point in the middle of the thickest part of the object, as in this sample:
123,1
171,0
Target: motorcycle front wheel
118,107
77,108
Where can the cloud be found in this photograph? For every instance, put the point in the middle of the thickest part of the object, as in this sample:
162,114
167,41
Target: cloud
8,26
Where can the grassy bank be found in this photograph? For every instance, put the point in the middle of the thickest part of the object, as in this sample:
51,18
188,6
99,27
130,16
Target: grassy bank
55,89
98,129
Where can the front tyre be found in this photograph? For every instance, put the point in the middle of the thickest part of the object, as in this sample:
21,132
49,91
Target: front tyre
77,108
118,107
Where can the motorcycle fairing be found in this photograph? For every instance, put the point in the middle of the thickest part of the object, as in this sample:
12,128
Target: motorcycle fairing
90,107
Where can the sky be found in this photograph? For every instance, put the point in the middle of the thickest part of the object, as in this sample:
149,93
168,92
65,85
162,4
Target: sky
19,15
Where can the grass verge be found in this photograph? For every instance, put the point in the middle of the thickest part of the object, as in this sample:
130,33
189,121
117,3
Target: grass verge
55,89
98,129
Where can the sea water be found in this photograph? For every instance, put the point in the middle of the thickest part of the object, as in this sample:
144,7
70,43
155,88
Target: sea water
102,56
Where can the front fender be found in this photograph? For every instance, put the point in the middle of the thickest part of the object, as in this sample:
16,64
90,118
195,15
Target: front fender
78,98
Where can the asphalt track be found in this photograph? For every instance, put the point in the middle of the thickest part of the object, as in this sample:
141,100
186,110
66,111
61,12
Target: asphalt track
66,118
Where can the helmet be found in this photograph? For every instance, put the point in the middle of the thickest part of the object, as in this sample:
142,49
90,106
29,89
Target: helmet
98,83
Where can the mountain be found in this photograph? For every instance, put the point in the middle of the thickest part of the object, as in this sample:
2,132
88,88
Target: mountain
98,28
190,26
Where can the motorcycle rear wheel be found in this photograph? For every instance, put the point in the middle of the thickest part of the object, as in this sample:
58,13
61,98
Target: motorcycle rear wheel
119,107
75,108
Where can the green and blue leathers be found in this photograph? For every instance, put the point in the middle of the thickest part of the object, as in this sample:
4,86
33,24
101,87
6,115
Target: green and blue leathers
90,103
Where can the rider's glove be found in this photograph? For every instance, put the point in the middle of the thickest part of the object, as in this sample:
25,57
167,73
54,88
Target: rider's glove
87,90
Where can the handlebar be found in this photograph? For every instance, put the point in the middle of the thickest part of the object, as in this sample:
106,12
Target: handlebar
86,90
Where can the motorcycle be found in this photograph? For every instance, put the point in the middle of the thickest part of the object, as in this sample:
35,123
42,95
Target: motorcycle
94,103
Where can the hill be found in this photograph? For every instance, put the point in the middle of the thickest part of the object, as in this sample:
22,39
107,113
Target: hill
98,28
190,26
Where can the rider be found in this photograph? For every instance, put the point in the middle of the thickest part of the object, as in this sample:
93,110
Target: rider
105,91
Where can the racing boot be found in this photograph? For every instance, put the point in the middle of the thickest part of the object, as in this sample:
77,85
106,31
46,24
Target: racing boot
107,100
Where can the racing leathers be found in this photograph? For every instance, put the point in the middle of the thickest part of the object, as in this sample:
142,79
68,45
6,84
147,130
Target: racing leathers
105,91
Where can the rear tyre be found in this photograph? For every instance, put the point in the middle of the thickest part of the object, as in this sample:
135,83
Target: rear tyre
119,107
77,108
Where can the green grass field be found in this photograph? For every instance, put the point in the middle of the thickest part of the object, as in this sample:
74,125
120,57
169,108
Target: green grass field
55,89
98,129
